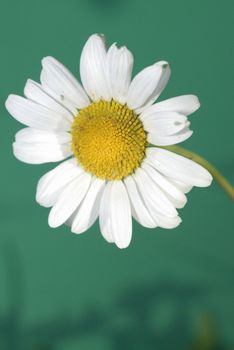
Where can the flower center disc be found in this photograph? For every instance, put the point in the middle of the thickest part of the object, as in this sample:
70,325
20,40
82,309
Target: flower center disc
108,140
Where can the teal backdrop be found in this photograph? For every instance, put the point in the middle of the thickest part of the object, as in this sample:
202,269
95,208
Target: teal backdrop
171,289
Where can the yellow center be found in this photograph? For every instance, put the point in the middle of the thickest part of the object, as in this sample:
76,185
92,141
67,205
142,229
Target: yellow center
108,139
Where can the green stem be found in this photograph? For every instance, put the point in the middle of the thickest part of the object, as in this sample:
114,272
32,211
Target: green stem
218,177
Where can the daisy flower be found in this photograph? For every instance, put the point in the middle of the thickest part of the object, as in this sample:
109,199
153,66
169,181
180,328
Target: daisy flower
106,131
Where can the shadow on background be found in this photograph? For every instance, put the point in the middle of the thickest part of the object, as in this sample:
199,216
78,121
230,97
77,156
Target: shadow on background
151,316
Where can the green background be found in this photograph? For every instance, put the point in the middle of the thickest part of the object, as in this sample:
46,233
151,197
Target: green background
171,289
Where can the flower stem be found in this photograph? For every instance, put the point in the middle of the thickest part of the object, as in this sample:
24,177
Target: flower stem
218,177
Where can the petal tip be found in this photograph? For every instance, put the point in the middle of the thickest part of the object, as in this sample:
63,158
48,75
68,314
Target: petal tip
9,101
47,60
96,36
209,179
52,222
197,103
163,64
122,245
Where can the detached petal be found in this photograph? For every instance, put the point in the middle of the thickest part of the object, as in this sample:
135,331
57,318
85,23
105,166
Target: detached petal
148,85
93,68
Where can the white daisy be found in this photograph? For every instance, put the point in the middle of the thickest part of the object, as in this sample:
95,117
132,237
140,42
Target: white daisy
105,129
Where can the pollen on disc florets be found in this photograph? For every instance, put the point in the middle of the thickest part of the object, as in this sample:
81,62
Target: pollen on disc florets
108,140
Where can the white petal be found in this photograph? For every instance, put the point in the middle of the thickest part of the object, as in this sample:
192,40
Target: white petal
120,214
34,91
161,140
167,222
181,186
178,167
93,68
35,115
89,209
69,200
148,85
38,153
152,195
147,190
70,220
119,71
104,215
186,104
176,196
30,135
52,183
140,212
164,123
60,83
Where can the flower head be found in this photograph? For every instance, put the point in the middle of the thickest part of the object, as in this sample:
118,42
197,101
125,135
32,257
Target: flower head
106,129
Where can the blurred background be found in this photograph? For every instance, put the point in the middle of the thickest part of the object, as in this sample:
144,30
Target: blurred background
169,289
